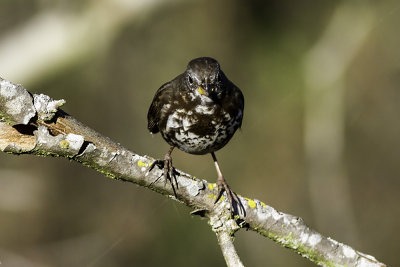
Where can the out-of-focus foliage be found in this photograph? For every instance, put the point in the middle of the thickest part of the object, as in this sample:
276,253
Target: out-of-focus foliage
58,213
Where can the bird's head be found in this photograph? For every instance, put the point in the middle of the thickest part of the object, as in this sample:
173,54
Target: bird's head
204,77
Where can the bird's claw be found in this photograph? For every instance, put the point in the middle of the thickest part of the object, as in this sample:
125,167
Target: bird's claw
169,172
236,206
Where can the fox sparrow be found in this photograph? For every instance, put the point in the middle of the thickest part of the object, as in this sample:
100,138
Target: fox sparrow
197,112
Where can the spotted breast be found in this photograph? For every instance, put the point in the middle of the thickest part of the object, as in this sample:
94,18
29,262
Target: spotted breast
194,122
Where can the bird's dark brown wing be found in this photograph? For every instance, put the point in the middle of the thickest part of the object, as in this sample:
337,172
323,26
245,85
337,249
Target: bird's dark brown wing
153,116
233,102
240,102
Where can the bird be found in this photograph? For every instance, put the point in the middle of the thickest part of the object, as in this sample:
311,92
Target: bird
197,112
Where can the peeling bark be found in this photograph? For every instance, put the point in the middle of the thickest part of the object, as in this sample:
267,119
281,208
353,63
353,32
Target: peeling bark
34,124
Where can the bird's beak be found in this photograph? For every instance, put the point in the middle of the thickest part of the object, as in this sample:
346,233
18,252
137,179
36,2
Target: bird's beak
201,90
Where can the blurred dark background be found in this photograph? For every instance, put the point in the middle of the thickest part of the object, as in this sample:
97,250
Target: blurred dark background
320,137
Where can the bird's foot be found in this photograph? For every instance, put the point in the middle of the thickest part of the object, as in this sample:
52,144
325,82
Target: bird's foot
169,172
236,206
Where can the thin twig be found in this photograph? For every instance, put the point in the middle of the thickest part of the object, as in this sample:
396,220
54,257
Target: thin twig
225,241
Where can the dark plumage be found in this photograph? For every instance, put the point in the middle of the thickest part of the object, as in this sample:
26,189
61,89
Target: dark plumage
197,112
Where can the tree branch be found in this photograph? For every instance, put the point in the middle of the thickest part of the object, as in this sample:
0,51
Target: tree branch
224,228
225,241
34,124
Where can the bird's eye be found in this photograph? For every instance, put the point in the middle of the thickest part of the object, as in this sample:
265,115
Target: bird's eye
190,80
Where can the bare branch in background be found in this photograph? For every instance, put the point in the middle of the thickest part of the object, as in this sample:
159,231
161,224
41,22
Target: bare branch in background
34,124
325,67
87,32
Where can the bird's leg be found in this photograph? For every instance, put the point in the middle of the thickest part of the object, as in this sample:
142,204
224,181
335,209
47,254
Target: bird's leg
169,171
236,205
